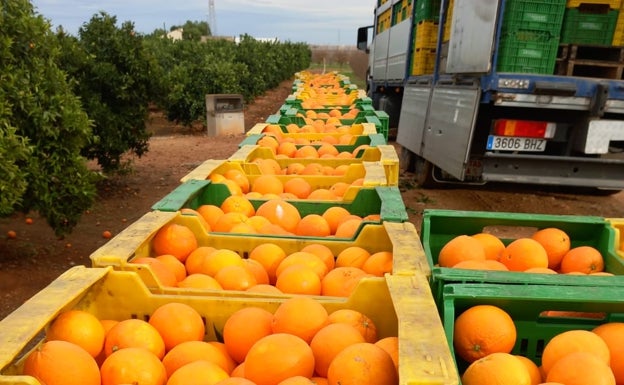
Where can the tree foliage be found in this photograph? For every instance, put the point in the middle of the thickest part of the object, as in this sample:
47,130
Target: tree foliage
42,125
113,77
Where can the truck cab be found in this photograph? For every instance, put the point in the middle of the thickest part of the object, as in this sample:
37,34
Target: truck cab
505,91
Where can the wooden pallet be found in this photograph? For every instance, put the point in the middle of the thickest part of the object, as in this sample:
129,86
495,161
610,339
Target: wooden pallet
606,62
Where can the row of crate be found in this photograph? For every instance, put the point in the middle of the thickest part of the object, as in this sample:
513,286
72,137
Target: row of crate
417,302
399,303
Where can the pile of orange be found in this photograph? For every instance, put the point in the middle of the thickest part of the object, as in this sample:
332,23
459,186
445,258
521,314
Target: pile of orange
335,133
298,343
292,185
546,251
485,335
312,270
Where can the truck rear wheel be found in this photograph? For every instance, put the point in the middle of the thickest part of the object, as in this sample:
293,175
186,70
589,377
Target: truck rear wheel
423,171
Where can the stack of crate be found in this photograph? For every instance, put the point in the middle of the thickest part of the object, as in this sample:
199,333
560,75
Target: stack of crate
427,15
530,36
400,302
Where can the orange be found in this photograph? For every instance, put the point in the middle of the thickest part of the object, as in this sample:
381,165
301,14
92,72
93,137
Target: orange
484,264
228,220
189,351
540,270
270,256
297,380
356,319
174,239
353,256
211,214
460,248
299,279
329,341
243,228
161,271
62,363
556,243
258,271
238,204
492,245
378,263
573,341
313,225
239,177
612,333
277,357
133,366
78,327
362,364
199,281
391,346
195,260
341,281
267,184
189,211
232,186
522,254
270,142
306,151
583,259
481,330
174,265
348,228
134,333
581,368
219,259
534,371
334,215
322,194
264,289
202,372
177,322
301,316
287,148
303,258
327,149
245,327
298,186
258,222
235,278
495,369
339,188
281,213
323,252
235,381
294,169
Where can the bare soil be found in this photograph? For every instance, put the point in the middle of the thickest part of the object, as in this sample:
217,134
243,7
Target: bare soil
36,257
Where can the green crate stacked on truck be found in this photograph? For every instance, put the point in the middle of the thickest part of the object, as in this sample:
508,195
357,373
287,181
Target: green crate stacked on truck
530,36
427,10
589,24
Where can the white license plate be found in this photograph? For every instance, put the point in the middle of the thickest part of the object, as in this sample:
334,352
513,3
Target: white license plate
511,143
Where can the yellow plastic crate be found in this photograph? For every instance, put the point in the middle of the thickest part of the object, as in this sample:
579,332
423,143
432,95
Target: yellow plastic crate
386,155
372,172
618,33
135,241
401,307
423,61
618,227
426,35
449,21
613,4
355,129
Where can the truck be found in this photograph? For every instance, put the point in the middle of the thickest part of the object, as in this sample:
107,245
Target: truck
518,91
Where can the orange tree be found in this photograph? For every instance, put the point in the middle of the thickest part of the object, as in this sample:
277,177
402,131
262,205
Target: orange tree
113,77
42,125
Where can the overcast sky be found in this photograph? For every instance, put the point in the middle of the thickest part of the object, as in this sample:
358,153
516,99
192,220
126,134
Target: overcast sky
331,22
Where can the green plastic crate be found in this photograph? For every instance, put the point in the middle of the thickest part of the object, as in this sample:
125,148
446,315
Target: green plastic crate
526,305
380,119
536,15
385,201
427,10
290,110
588,28
527,51
440,226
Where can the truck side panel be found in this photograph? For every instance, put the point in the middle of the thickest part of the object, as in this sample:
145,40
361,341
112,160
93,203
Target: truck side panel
398,52
450,124
412,121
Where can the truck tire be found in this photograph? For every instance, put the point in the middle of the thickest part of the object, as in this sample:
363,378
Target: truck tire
407,160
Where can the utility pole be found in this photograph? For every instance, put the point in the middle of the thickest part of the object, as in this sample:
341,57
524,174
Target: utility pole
212,17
